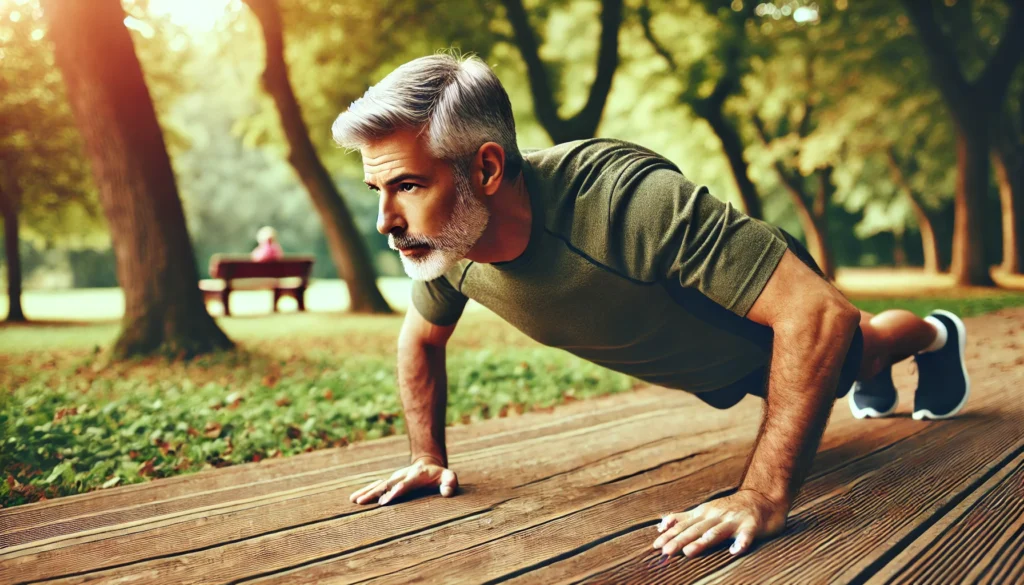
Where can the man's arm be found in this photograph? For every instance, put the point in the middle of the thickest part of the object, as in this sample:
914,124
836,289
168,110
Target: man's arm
423,387
813,326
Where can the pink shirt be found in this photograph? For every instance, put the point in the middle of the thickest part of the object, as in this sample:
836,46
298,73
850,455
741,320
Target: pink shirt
267,252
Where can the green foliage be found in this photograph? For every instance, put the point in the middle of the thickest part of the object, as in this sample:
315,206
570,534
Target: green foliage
74,429
44,176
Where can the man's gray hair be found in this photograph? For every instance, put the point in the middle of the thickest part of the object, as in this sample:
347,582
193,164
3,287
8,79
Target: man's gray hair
456,100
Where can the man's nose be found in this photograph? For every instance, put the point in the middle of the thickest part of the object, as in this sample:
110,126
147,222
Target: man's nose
388,218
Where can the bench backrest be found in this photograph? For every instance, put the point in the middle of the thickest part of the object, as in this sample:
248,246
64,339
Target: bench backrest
228,267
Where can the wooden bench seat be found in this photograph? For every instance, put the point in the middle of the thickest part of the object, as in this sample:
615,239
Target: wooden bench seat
287,277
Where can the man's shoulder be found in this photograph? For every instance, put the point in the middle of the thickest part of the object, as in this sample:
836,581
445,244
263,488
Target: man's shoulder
605,155
584,180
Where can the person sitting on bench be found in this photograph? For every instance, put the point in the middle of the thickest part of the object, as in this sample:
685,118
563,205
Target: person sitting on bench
268,249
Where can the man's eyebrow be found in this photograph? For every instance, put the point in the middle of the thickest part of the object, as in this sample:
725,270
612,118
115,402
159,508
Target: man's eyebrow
399,179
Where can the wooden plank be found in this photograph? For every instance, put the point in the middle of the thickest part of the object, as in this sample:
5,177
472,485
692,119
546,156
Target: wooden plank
749,410
410,553
207,499
522,552
239,475
603,443
874,506
634,547
979,541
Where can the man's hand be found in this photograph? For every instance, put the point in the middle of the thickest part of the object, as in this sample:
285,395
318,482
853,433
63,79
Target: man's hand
743,516
424,473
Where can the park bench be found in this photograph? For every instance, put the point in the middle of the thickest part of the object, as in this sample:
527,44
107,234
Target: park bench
288,276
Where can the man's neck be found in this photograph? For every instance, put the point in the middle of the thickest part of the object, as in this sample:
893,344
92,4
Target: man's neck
508,230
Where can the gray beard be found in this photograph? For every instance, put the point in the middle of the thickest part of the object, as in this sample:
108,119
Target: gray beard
467,223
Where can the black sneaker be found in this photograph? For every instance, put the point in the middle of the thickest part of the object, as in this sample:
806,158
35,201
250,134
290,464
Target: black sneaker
875,398
943,385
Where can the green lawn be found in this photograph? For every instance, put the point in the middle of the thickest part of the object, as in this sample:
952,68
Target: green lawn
72,422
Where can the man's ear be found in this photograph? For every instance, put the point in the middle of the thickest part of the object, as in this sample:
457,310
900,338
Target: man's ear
490,165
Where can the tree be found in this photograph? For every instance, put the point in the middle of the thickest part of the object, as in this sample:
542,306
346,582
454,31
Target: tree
811,190
347,246
46,192
584,123
881,125
732,53
10,204
164,309
974,107
1008,159
929,243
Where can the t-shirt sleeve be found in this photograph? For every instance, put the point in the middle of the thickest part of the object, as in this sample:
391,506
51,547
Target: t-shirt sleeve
674,229
438,301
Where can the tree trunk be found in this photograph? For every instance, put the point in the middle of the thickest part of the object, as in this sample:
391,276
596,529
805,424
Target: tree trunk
929,243
899,250
348,250
972,156
974,106
1009,167
813,222
9,200
164,310
821,200
732,145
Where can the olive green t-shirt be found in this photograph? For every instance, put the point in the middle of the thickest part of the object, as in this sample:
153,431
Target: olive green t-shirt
629,265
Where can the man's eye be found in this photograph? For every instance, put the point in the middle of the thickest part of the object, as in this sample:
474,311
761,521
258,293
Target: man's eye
408,187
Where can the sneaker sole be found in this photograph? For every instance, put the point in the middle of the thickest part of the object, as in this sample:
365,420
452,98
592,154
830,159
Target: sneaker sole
868,412
962,338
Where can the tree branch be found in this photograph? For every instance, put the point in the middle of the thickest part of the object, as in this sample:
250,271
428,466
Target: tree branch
607,63
995,79
645,23
943,63
586,120
791,182
529,49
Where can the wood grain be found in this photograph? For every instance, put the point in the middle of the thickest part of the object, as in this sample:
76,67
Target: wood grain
459,436
21,530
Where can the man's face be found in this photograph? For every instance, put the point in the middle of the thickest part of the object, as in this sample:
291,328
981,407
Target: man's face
427,209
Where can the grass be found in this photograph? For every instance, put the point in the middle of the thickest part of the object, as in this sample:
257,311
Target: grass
72,422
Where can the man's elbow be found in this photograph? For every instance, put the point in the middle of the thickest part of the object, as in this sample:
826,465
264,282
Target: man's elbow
838,314
828,316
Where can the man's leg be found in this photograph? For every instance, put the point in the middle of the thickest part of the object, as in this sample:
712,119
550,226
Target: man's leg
891,337
936,342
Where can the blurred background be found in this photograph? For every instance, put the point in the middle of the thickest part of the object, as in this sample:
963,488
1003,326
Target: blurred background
822,117
138,138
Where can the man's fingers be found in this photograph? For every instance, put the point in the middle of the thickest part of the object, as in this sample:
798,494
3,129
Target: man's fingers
674,524
370,492
681,535
399,489
356,494
449,483
710,538
415,477
744,539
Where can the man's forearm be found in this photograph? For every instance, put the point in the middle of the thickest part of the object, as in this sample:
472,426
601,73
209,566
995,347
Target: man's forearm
808,354
423,387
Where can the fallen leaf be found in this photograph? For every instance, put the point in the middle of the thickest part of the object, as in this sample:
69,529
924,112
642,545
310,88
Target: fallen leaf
212,430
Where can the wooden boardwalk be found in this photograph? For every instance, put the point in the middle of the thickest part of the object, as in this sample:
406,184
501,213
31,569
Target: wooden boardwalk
574,496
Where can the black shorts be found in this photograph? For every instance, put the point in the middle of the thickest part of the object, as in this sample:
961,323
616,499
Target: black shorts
756,382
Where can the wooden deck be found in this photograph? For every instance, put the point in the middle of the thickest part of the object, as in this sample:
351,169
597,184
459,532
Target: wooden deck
574,497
